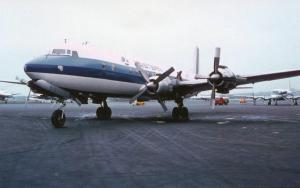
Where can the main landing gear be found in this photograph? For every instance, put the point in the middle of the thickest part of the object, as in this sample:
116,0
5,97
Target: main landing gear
180,113
269,102
58,117
103,112
295,102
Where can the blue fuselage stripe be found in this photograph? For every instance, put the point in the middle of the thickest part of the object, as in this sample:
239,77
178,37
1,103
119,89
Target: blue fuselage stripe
85,68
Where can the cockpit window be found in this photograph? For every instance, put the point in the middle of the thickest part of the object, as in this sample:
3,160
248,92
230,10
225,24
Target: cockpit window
74,54
58,51
64,52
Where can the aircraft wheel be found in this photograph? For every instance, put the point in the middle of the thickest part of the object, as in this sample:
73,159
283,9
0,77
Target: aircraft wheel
103,113
269,103
107,113
295,103
175,113
58,118
184,114
181,114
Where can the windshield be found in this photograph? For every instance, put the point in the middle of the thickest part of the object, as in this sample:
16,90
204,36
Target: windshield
58,51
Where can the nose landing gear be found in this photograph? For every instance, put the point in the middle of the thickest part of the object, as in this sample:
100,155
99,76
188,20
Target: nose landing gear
58,117
104,111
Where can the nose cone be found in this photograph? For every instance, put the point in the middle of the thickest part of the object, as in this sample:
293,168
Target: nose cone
33,65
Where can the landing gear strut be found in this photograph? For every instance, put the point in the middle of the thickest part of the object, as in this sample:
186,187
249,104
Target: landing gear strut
295,102
58,117
103,112
180,113
269,103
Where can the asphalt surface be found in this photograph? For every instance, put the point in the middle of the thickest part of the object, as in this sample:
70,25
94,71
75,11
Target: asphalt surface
231,146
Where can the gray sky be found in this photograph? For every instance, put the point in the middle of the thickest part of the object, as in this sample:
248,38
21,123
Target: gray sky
256,36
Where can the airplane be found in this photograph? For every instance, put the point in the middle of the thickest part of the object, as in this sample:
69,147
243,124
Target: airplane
277,95
4,96
66,74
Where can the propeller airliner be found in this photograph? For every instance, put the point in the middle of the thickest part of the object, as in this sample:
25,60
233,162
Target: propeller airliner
64,74
4,96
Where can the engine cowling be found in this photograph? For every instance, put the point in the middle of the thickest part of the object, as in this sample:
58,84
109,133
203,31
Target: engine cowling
164,87
225,81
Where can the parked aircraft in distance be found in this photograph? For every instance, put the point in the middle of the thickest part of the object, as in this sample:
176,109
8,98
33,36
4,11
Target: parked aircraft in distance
277,95
4,96
65,74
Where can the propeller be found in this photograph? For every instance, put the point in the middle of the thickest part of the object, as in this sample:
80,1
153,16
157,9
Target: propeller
27,99
151,85
214,77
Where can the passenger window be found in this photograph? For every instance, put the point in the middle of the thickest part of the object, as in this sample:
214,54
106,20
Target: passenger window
103,66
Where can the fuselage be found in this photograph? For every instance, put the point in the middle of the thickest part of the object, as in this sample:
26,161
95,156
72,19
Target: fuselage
86,75
281,94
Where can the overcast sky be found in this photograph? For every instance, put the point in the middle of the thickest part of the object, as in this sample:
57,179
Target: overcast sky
256,36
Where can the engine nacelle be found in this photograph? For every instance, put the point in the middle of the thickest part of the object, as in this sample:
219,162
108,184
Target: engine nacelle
226,81
166,86
163,87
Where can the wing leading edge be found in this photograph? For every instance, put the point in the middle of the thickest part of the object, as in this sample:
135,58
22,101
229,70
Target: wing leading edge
270,76
187,87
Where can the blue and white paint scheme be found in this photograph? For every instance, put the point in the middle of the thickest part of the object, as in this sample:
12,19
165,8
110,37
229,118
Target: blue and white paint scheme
66,74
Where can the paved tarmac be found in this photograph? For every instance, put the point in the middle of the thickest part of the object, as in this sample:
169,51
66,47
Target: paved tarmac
231,146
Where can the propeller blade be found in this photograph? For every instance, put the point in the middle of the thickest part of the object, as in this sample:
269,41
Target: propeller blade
142,72
27,99
142,90
197,60
163,105
217,59
164,75
179,77
213,97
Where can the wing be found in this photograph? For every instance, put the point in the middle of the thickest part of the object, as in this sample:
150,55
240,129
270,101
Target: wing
196,86
252,97
13,82
191,87
267,77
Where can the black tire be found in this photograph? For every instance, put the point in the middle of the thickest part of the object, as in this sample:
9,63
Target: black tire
100,112
184,114
103,113
175,113
269,103
107,113
58,118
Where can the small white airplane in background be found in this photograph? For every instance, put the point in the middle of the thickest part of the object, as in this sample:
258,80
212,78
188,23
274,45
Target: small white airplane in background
64,74
4,96
277,95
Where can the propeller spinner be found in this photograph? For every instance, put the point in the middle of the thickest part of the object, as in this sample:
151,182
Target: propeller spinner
151,85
